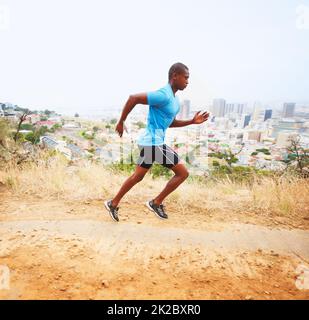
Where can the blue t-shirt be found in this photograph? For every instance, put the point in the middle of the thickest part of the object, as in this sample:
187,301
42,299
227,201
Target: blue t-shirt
163,108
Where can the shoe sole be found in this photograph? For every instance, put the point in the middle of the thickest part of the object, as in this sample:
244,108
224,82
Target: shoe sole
109,211
149,207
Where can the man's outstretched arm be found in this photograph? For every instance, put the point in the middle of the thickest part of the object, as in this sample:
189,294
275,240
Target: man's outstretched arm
197,119
140,98
181,123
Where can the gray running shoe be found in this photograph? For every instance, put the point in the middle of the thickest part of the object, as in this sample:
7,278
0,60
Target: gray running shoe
112,210
158,210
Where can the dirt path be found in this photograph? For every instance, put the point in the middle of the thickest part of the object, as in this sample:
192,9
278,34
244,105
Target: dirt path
103,236
86,258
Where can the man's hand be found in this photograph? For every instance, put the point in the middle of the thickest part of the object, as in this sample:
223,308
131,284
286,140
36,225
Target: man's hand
200,117
119,128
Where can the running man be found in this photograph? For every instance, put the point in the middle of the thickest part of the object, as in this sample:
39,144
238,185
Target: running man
163,108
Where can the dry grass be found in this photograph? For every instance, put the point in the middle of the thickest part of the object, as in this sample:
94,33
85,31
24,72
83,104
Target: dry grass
281,196
55,178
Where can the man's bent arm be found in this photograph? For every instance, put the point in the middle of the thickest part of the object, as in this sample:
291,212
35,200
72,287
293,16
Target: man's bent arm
181,123
140,98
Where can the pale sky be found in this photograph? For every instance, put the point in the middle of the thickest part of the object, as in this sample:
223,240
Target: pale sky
78,54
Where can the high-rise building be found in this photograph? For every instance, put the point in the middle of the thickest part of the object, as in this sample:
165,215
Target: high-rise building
247,119
218,108
239,108
288,110
234,108
257,106
229,108
268,114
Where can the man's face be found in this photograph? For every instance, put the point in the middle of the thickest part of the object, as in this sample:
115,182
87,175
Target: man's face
182,79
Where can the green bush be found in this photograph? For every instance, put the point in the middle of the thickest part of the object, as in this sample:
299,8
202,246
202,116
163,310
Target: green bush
27,126
34,138
57,126
91,150
140,124
127,168
20,137
239,174
87,136
263,150
215,163
158,170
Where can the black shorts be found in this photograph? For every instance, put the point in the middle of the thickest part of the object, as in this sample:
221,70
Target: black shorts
162,154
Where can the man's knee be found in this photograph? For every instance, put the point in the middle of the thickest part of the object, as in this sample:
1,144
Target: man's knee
185,174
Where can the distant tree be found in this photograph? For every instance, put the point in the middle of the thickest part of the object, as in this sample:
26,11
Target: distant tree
227,155
34,137
48,112
76,115
263,150
22,118
113,121
55,127
297,154
58,125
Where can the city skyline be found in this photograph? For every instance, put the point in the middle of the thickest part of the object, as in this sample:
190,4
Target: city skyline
76,55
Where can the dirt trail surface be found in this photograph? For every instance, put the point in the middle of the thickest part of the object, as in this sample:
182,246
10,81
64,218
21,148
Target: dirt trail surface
54,253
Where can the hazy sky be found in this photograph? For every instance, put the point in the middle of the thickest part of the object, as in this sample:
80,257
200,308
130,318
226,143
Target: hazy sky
79,54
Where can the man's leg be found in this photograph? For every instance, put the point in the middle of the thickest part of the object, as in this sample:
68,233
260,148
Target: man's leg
181,174
136,177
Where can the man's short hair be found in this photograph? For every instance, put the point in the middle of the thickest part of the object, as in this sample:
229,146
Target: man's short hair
177,68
